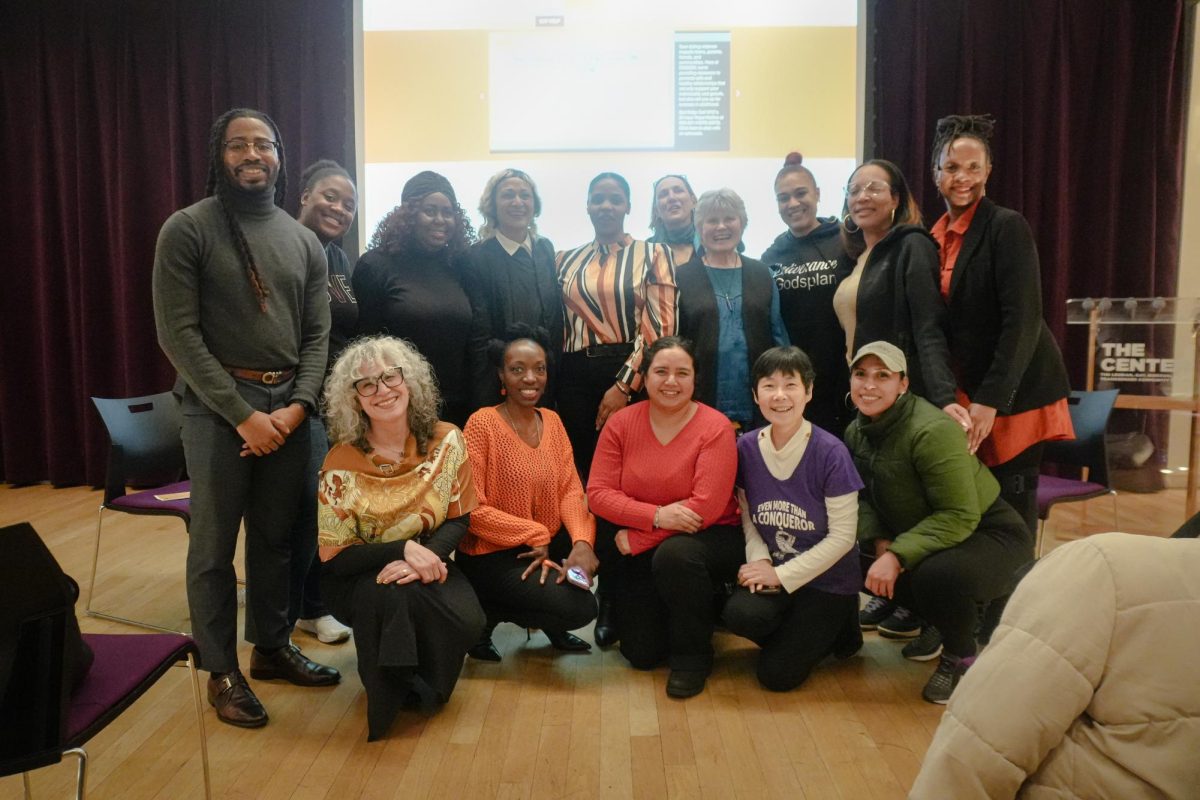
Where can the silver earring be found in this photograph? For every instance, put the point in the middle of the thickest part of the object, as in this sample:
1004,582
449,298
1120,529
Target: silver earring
847,222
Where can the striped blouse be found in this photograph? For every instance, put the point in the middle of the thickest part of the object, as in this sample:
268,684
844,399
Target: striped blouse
617,293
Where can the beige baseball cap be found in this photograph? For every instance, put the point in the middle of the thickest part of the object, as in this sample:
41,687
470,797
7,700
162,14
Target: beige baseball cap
888,353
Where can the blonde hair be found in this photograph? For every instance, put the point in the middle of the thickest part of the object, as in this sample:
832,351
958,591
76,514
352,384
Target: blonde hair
487,202
347,422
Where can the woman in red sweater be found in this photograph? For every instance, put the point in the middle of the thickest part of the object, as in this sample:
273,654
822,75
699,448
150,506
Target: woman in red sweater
661,486
532,524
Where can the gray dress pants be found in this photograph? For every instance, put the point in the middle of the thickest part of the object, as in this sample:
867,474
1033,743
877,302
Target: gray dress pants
228,488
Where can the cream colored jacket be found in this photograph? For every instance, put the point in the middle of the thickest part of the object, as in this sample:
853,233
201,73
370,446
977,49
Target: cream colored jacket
1091,685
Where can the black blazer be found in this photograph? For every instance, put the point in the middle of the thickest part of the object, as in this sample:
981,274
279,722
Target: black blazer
1002,352
899,302
497,302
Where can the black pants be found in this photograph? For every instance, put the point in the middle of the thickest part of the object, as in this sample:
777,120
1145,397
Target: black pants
403,632
304,601
555,607
1018,479
795,631
663,599
947,587
581,388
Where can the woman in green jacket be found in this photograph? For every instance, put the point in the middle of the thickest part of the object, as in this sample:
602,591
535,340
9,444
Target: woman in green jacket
931,515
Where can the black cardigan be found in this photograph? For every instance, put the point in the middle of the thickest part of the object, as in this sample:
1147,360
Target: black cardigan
899,302
700,322
497,302
1002,351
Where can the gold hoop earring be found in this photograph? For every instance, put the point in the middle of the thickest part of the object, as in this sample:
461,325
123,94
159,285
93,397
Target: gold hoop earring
847,222
892,220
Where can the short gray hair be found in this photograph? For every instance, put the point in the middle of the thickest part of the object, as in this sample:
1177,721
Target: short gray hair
347,422
718,200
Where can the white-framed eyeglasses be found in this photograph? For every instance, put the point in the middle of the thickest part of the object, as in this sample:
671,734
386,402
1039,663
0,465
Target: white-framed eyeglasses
870,189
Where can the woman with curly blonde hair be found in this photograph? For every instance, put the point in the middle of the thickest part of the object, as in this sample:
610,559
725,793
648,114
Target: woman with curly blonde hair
395,496
409,284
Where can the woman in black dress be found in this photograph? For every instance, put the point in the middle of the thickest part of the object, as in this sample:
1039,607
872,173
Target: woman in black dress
409,284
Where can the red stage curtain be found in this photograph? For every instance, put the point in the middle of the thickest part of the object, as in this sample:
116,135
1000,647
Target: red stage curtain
106,106
1090,99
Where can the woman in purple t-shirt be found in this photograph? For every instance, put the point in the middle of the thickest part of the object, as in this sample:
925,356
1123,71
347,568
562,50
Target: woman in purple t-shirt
798,490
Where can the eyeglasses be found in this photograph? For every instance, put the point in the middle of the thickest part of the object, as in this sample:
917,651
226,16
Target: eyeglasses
264,147
871,189
391,377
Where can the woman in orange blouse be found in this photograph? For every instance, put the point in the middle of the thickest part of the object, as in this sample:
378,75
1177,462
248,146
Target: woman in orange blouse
618,298
532,524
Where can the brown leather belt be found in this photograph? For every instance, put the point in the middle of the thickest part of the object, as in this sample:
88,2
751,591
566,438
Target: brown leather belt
270,376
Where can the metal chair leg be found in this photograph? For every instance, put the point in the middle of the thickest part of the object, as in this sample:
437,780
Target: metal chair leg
81,773
95,560
191,663
1116,519
92,591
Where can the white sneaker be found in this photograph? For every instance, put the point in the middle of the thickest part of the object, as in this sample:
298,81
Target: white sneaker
326,629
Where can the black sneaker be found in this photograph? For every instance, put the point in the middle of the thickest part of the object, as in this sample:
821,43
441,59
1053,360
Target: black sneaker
874,612
902,624
925,647
941,684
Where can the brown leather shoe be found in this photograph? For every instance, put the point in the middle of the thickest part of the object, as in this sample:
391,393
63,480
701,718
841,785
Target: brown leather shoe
291,665
234,700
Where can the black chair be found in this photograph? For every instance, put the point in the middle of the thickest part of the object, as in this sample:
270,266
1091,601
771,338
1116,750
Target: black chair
44,716
147,453
1088,450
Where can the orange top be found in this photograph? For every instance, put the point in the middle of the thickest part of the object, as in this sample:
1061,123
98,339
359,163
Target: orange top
526,494
1013,433
950,240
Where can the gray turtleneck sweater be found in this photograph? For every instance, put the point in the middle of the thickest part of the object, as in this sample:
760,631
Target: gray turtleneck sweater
206,311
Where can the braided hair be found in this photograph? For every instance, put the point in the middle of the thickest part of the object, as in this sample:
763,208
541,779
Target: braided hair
218,185
956,126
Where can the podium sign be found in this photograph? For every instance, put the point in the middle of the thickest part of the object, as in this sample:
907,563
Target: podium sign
1136,344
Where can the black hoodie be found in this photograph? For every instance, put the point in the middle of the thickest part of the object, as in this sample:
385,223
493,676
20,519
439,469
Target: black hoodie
807,270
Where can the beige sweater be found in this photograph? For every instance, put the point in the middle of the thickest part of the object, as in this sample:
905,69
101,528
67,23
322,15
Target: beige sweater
1090,686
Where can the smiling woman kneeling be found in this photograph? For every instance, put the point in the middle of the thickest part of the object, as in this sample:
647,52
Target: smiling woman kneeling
931,513
798,489
661,487
395,498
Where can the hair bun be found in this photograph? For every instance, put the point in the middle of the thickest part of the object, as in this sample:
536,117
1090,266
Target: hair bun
793,159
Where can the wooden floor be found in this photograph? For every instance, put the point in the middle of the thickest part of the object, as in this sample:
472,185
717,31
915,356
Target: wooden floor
536,725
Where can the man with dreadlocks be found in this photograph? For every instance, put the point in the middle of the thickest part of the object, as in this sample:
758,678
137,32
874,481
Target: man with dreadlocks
242,313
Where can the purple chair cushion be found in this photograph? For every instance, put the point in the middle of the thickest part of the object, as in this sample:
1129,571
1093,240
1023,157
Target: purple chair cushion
143,502
126,665
1053,489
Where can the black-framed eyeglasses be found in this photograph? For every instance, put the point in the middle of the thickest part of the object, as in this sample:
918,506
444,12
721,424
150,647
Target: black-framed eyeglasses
391,377
264,147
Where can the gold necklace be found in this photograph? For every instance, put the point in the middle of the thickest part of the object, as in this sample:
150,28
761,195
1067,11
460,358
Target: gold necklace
392,454
537,425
